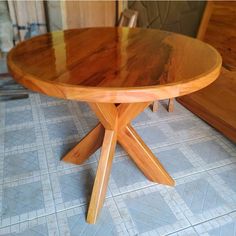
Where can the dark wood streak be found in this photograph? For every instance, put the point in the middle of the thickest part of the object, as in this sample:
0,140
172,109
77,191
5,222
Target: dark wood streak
121,64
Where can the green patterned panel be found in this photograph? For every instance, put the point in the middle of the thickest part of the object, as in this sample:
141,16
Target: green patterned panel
176,16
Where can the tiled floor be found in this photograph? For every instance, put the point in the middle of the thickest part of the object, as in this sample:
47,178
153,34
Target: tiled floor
40,195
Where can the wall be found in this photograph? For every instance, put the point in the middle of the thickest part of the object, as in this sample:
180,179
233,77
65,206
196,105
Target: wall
90,13
176,16
77,14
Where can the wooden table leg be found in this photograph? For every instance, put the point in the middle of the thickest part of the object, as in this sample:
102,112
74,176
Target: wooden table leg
171,105
155,106
115,121
143,156
86,147
102,176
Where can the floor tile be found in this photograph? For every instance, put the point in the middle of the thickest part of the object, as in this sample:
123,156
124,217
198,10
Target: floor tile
16,164
186,232
42,226
25,199
56,151
60,130
56,111
20,137
210,151
73,222
72,187
36,133
17,103
151,211
18,200
187,128
126,177
224,225
201,197
47,99
16,118
171,159
152,135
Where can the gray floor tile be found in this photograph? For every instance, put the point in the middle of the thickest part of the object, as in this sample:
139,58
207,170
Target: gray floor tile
151,211
36,133
225,225
210,151
20,137
73,222
16,118
25,199
42,226
56,111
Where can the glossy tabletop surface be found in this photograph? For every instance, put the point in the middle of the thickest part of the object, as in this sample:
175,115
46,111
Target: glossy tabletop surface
115,63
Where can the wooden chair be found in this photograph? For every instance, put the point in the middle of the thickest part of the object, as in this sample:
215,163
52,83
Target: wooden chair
170,106
128,18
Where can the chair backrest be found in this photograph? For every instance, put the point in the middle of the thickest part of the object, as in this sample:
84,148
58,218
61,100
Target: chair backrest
128,18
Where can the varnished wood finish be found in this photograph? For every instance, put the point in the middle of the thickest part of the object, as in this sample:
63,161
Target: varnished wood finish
216,103
108,66
221,32
125,64
102,176
86,147
171,105
143,156
155,106
205,19
116,121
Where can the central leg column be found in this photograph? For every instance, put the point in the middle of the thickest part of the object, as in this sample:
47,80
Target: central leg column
115,126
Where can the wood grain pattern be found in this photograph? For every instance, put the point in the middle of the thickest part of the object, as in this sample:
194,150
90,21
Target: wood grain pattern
205,20
221,32
86,147
143,156
102,176
125,64
216,104
107,66
171,105
155,106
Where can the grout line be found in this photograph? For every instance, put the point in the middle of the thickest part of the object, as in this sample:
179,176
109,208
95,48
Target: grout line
194,225
181,230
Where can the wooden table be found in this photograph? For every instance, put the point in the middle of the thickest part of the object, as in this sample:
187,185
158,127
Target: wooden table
118,72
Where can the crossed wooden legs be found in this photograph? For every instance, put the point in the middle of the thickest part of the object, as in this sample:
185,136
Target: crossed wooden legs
115,126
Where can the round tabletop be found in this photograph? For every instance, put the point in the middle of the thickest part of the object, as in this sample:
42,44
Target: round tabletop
114,65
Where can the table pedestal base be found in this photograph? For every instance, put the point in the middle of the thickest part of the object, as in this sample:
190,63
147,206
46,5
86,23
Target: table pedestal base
115,126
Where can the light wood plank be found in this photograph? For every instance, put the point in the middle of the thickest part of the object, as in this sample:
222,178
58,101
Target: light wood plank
143,156
171,105
128,111
102,176
86,147
106,113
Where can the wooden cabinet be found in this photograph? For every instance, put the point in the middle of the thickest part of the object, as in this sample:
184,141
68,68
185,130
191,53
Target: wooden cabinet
216,103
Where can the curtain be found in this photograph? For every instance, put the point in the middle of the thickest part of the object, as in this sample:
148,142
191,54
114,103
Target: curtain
28,18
